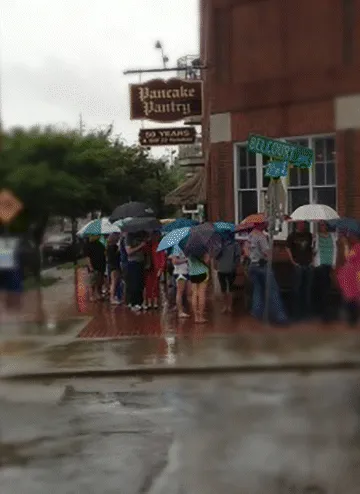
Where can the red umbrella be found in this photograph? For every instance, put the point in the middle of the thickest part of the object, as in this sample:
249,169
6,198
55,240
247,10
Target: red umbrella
254,220
251,221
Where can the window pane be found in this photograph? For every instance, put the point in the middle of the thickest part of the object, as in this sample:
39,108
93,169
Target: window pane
251,159
330,174
265,180
304,176
330,149
319,150
243,179
326,195
242,156
297,198
247,204
319,173
294,177
252,178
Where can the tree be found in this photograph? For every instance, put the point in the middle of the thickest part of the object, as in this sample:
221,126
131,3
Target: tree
62,173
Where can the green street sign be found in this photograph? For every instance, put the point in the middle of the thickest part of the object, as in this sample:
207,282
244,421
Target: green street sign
282,151
276,169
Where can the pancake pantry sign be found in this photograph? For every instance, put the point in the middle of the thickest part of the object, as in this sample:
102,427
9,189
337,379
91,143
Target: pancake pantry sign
166,101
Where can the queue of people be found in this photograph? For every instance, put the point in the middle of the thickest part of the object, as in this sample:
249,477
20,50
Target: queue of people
129,269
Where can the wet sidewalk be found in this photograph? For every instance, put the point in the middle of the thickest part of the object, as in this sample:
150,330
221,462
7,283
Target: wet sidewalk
55,302
163,348
94,339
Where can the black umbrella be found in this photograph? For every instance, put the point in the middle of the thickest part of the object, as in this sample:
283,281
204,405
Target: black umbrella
131,210
141,225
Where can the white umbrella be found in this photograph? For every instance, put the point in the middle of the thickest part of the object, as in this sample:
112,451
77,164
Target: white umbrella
314,212
98,227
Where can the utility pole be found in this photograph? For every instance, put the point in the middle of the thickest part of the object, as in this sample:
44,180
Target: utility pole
81,124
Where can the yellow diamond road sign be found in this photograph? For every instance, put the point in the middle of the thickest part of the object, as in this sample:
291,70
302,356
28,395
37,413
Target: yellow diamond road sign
10,206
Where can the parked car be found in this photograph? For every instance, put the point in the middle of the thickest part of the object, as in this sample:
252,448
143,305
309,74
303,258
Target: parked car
60,248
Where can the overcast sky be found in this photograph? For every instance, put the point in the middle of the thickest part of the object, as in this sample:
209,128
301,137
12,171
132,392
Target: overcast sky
63,57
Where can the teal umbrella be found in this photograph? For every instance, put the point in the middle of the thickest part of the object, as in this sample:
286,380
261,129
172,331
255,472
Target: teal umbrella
98,227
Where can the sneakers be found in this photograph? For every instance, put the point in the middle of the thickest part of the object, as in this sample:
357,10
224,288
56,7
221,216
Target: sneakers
136,308
115,301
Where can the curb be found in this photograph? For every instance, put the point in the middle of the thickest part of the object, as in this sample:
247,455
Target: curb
301,368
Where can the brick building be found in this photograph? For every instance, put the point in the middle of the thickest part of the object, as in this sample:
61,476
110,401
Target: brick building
288,70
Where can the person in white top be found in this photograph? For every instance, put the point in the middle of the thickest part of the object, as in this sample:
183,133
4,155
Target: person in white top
181,274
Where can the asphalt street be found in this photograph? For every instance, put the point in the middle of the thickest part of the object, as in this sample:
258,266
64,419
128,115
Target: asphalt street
235,434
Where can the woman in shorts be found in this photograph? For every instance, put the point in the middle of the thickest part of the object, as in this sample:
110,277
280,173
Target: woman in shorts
113,266
181,275
199,272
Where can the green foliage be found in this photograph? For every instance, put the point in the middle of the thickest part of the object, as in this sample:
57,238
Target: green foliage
58,173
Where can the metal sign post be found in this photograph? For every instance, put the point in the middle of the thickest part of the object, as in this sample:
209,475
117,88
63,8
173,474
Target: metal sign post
271,219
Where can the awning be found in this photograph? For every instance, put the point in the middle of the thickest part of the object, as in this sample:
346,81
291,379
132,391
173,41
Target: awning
192,191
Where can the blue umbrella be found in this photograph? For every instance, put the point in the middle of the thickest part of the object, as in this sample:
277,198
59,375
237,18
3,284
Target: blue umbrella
173,238
345,225
179,223
223,226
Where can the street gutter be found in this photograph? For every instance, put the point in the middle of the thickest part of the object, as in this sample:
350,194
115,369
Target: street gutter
297,368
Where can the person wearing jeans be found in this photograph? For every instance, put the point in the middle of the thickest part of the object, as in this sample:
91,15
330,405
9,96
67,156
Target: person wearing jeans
325,255
135,247
226,264
258,249
299,246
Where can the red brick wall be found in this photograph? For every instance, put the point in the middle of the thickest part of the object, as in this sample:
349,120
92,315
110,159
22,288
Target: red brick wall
281,53
221,182
290,120
348,173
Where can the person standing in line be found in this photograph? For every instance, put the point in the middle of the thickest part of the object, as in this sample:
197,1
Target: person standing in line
199,272
135,249
181,274
124,267
258,252
227,263
96,264
153,270
348,277
299,246
113,261
325,255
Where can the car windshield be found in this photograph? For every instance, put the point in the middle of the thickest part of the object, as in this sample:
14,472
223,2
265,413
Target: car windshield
53,239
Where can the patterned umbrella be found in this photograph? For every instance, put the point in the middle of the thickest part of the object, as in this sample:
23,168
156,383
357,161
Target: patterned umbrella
202,239
98,227
173,238
223,226
251,221
179,223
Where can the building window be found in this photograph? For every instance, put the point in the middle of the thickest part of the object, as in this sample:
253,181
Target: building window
316,185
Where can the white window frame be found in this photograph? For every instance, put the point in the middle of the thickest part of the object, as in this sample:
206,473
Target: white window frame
259,176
